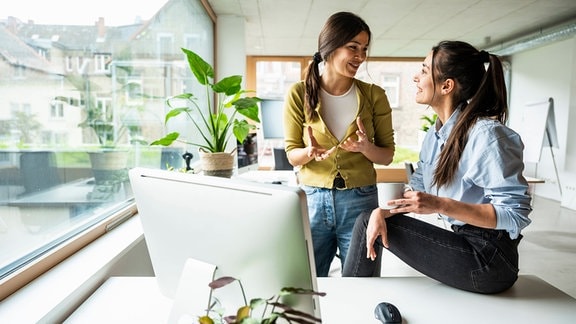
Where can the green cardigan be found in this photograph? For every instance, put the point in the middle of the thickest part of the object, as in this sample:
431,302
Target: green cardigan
376,115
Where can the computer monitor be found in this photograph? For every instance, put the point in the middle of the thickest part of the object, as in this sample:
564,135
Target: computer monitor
256,232
271,111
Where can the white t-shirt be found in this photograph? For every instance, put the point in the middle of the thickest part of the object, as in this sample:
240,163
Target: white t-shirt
339,111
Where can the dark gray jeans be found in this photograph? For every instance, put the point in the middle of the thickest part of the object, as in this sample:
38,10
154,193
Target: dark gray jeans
469,258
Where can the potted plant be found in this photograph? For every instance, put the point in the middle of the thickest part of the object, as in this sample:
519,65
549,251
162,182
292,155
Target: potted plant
259,310
108,162
428,121
212,122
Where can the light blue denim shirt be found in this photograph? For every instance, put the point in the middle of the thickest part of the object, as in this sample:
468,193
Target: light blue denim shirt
490,171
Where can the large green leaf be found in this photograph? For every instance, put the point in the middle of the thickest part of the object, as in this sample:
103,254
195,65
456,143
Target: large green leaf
167,140
229,85
200,68
248,107
175,112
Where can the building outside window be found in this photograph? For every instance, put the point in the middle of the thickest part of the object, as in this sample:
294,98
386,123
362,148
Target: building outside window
95,84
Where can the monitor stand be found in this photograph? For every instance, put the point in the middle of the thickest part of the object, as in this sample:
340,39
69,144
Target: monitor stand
193,292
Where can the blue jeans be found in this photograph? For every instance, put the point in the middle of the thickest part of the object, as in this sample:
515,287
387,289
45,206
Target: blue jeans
332,214
469,258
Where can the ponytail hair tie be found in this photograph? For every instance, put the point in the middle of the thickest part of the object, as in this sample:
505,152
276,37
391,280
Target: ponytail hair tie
317,57
484,56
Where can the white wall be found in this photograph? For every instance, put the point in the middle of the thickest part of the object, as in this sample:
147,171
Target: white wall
230,44
537,74
231,52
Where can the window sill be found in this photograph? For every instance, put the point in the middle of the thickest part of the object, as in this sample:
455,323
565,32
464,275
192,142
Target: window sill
54,295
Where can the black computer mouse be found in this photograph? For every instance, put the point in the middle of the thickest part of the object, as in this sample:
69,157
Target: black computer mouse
387,313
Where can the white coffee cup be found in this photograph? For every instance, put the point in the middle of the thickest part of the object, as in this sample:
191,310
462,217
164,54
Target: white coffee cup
390,191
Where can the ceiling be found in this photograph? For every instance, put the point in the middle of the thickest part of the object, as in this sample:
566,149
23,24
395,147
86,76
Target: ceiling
400,28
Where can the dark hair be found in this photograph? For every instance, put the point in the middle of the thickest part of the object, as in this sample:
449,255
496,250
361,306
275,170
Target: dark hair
338,30
479,93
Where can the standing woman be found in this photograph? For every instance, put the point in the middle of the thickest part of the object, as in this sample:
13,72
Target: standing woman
336,128
470,173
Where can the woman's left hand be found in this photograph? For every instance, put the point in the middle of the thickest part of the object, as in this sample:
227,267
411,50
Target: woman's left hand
416,202
360,144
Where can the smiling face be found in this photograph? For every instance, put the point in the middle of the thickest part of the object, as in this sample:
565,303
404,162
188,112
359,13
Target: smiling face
346,59
425,83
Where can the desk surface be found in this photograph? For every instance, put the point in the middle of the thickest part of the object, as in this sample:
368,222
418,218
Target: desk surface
352,300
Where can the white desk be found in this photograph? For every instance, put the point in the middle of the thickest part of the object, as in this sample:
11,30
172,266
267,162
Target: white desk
352,300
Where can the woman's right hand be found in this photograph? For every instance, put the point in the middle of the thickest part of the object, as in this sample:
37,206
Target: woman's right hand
376,227
303,155
314,150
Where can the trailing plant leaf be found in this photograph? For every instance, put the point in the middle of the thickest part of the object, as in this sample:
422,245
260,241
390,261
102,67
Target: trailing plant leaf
273,309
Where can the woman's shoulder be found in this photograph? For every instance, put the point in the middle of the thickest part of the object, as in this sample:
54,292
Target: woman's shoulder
296,89
367,86
298,85
492,128
370,90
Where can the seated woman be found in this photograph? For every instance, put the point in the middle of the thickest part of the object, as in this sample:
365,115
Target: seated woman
470,173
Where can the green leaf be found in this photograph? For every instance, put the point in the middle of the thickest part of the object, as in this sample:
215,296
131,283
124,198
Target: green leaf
229,85
200,68
187,96
175,112
248,107
167,140
241,129
299,291
257,302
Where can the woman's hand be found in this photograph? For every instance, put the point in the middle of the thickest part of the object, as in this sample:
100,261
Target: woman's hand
361,143
314,150
481,215
417,202
376,227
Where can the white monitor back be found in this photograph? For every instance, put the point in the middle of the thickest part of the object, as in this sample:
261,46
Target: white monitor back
258,233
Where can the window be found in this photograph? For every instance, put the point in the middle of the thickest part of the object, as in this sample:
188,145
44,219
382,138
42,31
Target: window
272,76
89,93
391,83
56,109
101,62
19,72
165,44
104,107
396,77
68,63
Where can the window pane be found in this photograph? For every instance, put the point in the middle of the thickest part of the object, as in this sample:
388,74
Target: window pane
273,79
396,77
74,94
